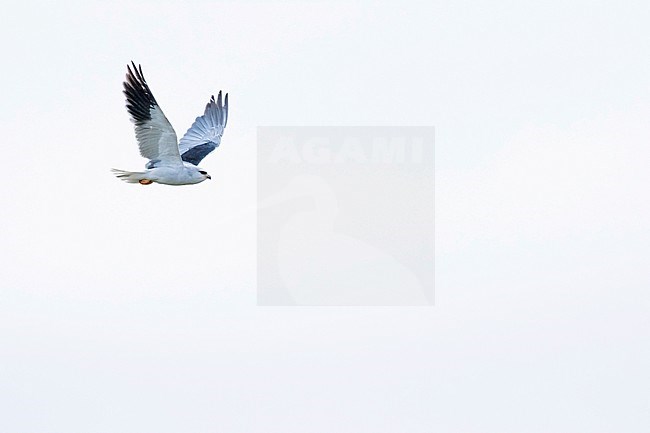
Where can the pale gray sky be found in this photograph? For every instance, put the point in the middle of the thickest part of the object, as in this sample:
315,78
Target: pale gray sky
131,309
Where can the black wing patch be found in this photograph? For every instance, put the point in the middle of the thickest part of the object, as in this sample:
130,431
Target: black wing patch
139,99
197,153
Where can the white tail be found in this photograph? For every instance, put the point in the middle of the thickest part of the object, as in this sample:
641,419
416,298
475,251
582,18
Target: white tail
129,176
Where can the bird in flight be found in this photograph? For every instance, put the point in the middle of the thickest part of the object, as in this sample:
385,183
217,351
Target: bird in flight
171,162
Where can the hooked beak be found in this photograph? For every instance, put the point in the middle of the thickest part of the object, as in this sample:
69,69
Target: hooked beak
208,176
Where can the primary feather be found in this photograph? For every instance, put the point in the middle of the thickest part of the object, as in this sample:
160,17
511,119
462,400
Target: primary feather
156,136
205,133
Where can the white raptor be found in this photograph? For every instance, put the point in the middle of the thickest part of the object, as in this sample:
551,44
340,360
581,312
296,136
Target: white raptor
170,162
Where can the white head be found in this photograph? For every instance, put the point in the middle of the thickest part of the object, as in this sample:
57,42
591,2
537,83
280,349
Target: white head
204,174
199,175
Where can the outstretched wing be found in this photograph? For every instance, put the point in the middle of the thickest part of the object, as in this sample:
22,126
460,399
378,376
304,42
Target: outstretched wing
205,134
156,137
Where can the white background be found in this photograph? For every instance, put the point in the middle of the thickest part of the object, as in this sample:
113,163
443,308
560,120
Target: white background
132,309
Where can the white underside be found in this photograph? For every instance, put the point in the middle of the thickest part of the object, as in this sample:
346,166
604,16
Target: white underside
168,175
